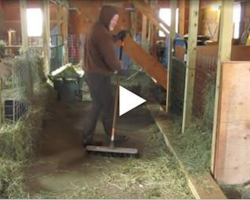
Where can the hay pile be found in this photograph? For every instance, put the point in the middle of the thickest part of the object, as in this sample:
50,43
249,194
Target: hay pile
11,180
193,147
209,96
18,140
156,175
17,143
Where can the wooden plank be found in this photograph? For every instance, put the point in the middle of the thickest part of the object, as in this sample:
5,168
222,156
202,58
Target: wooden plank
65,30
150,27
46,36
191,63
232,155
152,16
153,6
148,62
173,6
153,42
182,20
23,7
144,27
58,18
133,16
1,21
224,54
200,191
1,102
238,53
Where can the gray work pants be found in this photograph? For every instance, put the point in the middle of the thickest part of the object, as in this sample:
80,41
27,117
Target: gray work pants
102,103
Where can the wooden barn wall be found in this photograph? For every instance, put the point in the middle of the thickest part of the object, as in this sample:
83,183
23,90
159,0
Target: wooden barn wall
209,23
89,11
79,22
183,16
11,16
209,19
232,163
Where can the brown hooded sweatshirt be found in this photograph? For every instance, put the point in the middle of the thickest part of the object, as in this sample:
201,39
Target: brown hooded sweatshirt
99,50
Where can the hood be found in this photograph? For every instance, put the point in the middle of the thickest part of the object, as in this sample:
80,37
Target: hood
106,14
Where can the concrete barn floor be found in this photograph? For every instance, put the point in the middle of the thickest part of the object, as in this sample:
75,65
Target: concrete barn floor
62,169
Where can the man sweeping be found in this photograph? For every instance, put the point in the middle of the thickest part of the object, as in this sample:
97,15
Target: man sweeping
100,62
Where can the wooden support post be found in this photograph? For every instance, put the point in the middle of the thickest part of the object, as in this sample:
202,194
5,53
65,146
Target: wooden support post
1,102
46,36
182,7
58,18
1,18
224,54
25,44
173,6
133,16
153,41
191,63
144,27
1,109
65,30
150,25
153,32
23,8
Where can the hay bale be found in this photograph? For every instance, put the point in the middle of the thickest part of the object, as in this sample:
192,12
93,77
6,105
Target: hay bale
16,141
5,69
246,192
209,96
11,180
2,48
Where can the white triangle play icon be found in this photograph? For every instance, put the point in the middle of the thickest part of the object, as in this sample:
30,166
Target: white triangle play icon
128,101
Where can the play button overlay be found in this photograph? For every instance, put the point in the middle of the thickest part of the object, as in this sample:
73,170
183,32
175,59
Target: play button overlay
128,100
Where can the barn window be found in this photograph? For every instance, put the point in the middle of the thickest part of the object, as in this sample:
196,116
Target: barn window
165,15
34,22
236,20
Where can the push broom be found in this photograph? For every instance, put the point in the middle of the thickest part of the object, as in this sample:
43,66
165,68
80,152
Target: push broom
112,150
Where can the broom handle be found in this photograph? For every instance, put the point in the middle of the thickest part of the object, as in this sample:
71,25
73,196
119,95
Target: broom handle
116,96
115,108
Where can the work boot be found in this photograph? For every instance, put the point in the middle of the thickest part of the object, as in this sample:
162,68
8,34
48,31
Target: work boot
88,140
